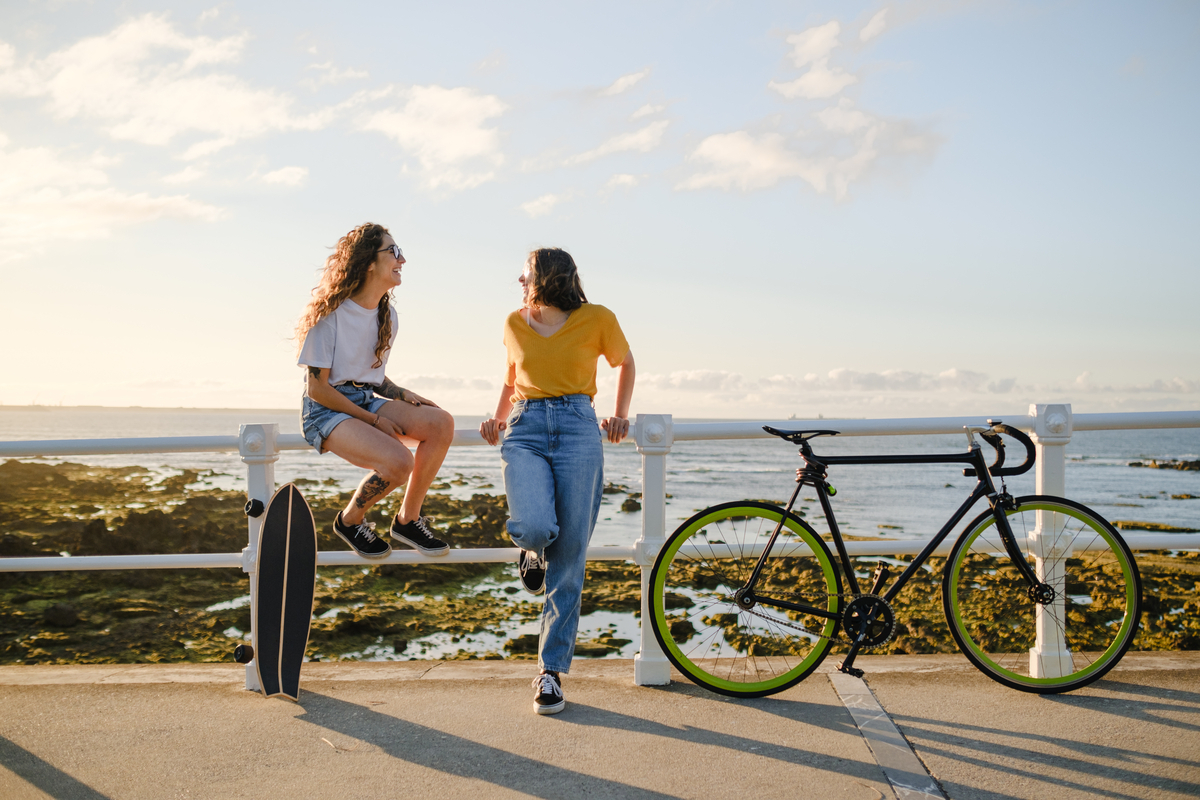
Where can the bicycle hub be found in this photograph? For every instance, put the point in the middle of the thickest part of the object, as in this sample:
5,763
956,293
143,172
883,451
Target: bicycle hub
745,599
1043,594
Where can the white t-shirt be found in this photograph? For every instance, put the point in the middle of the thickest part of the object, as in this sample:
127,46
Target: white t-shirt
344,342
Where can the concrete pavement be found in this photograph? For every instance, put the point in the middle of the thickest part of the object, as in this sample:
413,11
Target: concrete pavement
467,730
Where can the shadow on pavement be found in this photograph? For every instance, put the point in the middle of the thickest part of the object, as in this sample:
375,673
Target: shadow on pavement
43,775
831,718
1016,752
434,749
1171,700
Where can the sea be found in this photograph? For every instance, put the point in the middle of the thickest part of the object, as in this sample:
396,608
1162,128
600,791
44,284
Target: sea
904,501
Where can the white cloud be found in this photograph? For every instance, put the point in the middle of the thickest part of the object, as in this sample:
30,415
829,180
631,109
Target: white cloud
446,130
646,111
542,205
208,147
843,146
818,83
874,27
328,74
624,82
742,161
895,381
186,175
643,141
146,82
830,148
621,179
811,48
287,176
814,44
47,196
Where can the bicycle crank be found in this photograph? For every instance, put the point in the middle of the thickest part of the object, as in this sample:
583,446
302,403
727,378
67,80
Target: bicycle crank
869,620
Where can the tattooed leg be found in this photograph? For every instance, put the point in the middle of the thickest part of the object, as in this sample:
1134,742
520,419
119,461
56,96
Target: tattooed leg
372,489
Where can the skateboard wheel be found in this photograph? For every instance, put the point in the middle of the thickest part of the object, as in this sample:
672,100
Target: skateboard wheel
254,508
243,653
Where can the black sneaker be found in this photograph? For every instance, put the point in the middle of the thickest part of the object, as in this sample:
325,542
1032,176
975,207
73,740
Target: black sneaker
533,572
417,534
549,697
362,538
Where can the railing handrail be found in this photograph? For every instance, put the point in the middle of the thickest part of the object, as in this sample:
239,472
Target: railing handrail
683,431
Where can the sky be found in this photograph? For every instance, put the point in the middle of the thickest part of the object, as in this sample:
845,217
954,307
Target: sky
846,209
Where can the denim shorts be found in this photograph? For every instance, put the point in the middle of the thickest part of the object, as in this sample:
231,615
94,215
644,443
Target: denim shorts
318,421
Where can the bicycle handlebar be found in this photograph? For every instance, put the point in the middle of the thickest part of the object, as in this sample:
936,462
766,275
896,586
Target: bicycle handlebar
997,468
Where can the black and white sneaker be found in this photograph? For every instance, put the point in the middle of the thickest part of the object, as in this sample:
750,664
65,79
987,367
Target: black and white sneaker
533,572
362,538
417,534
548,697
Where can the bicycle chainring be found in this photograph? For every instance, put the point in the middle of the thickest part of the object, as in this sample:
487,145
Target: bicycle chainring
870,617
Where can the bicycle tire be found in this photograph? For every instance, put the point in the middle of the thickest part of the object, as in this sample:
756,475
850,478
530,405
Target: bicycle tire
1096,610
716,643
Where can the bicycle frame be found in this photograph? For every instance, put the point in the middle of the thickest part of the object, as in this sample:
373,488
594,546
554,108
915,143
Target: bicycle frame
814,473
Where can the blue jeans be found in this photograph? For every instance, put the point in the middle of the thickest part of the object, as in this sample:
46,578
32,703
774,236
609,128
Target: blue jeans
553,466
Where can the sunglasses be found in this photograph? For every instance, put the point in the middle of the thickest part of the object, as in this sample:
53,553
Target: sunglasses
395,250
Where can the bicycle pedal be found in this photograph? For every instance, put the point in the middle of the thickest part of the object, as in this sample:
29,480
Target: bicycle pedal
854,671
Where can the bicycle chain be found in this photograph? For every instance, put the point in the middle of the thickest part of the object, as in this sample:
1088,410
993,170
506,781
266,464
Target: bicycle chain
803,629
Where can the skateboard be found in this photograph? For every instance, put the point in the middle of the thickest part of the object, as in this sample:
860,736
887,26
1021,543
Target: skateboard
284,582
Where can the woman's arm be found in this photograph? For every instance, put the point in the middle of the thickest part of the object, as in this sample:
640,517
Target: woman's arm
490,429
319,390
393,392
618,424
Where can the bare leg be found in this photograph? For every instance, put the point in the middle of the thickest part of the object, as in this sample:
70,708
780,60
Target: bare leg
390,461
433,430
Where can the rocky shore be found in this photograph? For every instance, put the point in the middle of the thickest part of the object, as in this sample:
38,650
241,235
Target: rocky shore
388,611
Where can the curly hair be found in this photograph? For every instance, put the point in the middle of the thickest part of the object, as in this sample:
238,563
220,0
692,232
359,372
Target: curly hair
345,272
554,279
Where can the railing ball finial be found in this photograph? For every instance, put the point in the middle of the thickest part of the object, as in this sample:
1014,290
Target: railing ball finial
1056,423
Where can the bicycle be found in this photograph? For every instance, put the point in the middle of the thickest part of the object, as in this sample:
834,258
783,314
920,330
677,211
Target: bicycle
1040,593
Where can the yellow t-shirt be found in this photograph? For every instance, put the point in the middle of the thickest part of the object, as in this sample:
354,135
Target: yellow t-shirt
564,362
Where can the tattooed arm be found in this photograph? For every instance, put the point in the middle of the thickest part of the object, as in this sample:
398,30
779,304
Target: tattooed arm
393,392
390,390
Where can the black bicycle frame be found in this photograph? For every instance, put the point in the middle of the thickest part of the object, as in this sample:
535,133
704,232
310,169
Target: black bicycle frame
813,474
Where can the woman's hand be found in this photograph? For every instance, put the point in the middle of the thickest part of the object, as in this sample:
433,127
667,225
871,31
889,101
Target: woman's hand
409,396
385,425
617,428
490,430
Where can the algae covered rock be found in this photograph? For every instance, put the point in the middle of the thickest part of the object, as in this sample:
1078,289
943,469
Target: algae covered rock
61,615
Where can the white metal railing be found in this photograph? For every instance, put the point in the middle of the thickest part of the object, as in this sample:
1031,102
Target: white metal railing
1050,425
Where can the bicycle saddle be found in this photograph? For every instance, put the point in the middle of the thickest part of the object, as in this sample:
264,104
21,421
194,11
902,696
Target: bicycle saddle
795,437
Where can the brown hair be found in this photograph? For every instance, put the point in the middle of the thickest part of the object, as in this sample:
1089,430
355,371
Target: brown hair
554,279
345,272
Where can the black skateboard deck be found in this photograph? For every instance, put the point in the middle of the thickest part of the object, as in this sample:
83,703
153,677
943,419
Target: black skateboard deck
285,581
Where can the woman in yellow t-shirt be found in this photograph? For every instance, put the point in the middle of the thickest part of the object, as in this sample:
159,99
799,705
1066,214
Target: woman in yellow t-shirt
551,456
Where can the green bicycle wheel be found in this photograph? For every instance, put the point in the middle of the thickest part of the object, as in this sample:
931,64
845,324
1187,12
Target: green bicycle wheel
1064,644
707,635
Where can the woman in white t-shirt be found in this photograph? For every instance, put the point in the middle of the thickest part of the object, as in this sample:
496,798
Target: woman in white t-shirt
352,409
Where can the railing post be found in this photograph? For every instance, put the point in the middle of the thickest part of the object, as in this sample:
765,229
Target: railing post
256,445
655,435
1050,656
